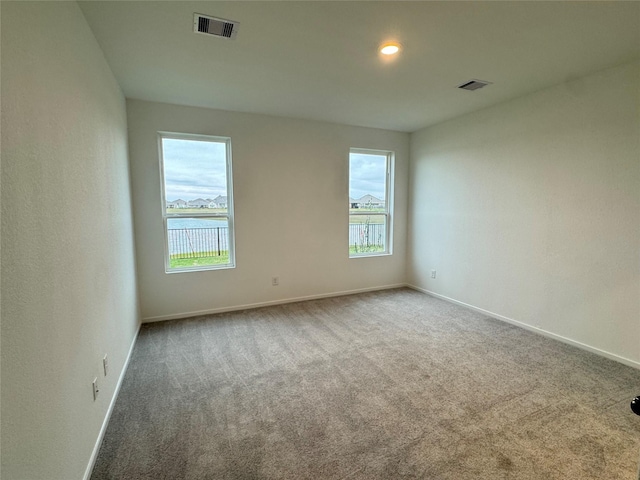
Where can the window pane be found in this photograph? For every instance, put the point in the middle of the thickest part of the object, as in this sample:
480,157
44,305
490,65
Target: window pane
196,242
198,204
195,176
368,181
369,199
367,234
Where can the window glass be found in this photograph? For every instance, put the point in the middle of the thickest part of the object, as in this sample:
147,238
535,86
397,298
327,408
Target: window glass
197,202
369,202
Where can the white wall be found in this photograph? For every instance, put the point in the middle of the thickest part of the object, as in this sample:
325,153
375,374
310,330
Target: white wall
531,210
291,207
68,277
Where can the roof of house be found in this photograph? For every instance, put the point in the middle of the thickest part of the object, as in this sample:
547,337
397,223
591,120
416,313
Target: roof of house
369,199
198,201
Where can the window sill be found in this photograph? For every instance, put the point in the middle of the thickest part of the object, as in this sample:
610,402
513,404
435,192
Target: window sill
200,269
370,255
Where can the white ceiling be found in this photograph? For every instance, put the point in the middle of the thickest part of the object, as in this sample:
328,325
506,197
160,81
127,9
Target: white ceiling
319,60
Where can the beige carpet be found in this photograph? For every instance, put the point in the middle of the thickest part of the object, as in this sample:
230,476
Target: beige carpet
386,385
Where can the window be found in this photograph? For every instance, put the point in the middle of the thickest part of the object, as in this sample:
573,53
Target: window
370,202
197,202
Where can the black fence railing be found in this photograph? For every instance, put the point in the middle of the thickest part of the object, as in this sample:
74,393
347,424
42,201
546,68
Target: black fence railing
364,237
198,242
214,241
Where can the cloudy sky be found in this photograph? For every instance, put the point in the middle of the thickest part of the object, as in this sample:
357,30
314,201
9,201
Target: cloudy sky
193,169
196,169
367,175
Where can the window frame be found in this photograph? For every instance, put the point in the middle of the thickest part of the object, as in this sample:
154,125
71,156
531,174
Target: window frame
229,216
389,194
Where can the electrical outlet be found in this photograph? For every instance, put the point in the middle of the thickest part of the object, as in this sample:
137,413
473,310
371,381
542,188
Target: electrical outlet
433,274
105,365
275,281
96,390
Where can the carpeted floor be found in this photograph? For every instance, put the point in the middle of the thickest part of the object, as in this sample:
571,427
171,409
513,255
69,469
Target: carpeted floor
385,385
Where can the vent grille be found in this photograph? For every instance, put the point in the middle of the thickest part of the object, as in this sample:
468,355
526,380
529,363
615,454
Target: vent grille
472,85
218,27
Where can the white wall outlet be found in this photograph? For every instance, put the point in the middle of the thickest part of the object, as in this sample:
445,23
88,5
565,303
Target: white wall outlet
433,274
96,390
105,365
275,281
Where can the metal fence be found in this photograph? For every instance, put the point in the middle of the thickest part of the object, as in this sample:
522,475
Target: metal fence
364,237
214,241
198,242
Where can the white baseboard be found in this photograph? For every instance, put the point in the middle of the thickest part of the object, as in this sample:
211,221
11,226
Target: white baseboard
248,306
103,429
603,353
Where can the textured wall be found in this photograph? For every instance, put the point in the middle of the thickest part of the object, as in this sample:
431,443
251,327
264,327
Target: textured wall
531,210
68,276
291,199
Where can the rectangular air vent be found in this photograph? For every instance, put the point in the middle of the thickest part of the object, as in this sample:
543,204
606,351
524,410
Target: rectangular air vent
472,85
218,27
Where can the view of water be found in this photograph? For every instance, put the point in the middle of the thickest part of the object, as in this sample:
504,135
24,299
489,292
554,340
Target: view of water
175,223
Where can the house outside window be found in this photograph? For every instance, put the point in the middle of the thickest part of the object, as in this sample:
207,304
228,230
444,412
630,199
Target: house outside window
370,202
197,202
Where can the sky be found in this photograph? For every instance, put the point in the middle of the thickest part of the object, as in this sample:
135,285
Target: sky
197,169
367,175
194,169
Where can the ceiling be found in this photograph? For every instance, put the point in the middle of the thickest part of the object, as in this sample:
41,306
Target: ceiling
319,60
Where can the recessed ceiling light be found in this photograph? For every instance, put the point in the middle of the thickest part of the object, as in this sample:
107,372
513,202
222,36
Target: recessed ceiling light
389,48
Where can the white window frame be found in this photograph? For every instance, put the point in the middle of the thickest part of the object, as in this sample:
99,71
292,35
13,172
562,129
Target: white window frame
229,215
389,193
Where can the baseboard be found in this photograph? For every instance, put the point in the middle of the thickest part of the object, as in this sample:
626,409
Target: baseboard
103,429
546,333
249,306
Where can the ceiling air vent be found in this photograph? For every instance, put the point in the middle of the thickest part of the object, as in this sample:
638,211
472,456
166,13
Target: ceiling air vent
474,85
218,27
